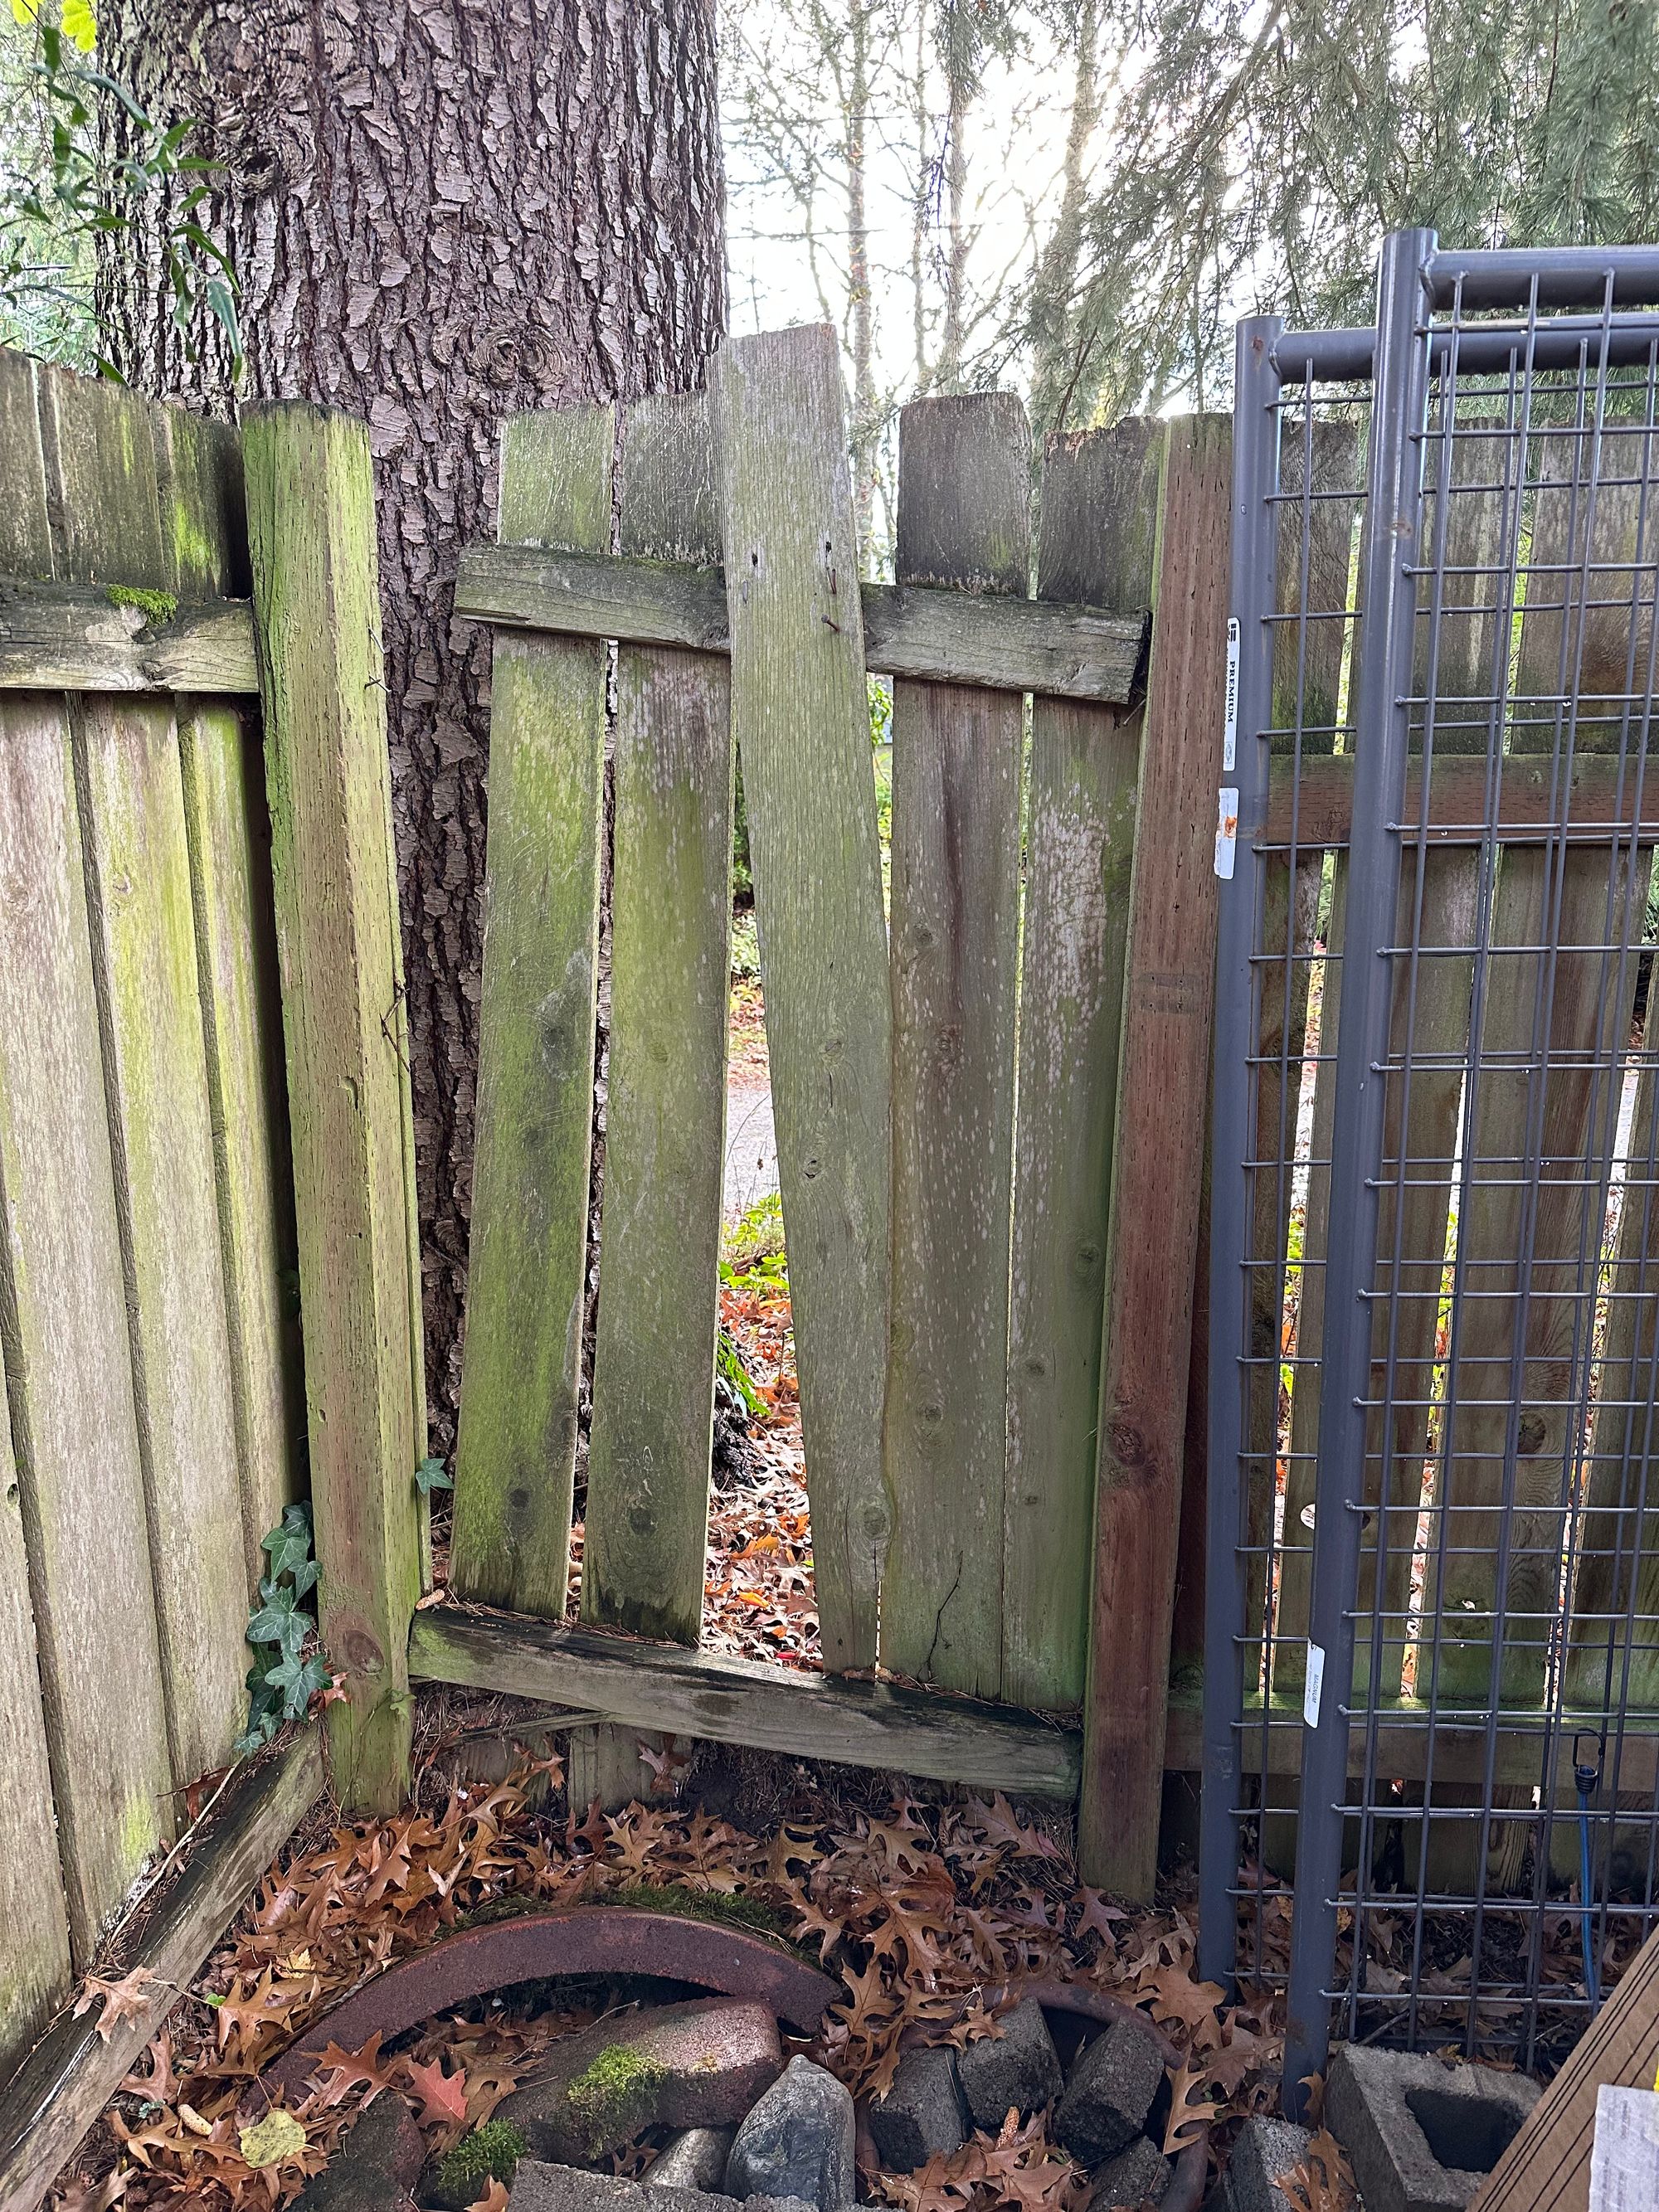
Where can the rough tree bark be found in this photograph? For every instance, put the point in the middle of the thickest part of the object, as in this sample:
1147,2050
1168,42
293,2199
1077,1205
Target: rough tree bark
439,212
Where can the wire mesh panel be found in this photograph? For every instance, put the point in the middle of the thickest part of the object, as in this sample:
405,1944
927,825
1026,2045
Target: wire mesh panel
1432,1668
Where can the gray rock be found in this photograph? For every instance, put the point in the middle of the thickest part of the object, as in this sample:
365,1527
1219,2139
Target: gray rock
695,2160
694,2065
797,2141
1421,2135
1137,2176
1113,2081
922,2113
540,2188
375,2167
1017,2071
1265,2150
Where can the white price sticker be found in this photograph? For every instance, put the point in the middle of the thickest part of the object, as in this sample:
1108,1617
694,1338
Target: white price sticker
1227,832
1313,1686
1230,726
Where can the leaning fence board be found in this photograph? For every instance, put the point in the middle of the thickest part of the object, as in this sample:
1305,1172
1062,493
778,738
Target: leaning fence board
1529,1237
700,1693
646,1530
1616,1597
1099,510
34,1956
931,635
58,2094
312,525
25,532
1157,1146
800,716
1547,2168
964,519
241,1020
69,1376
138,888
101,465
520,1372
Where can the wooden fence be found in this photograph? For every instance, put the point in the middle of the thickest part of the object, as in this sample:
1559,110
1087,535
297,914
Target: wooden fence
145,1215
990,1105
161,872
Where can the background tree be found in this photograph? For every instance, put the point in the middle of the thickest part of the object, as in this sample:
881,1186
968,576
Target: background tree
438,211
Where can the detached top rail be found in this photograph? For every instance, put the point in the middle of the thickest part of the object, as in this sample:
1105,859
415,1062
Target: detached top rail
95,637
927,632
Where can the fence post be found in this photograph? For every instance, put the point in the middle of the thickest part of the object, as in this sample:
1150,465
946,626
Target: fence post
316,596
1158,1139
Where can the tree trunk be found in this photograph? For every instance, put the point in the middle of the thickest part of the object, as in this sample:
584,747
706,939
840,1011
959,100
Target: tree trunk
439,212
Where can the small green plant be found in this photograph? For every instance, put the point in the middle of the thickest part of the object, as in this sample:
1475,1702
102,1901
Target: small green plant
432,1474
729,1365
84,187
714,1907
745,947
754,1238
489,2152
284,1677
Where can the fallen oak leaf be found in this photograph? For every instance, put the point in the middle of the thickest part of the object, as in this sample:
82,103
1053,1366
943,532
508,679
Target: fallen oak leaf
443,2096
125,1998
493,2200
1188,2116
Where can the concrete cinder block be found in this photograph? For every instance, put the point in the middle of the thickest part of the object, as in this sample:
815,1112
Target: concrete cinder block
1421,2135
1266,2151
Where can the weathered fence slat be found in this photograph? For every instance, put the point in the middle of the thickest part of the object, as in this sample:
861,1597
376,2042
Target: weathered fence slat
800,716
34,1953
521,1365
228,833
25,533
653,1374
235,951
723,1700
69,1373
138,890
1157,1141
934,637
312,528
964,518
1099,512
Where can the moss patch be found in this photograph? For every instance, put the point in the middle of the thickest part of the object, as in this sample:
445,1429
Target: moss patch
155,606
489,2152
614,2098
746,1912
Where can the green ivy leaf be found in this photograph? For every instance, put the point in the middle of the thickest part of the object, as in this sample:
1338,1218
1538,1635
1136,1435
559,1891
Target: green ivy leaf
431,1475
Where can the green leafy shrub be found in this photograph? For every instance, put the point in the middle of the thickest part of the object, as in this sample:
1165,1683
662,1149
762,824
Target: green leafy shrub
284,1677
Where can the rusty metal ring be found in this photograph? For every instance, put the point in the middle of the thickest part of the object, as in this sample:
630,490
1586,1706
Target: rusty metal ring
589,1939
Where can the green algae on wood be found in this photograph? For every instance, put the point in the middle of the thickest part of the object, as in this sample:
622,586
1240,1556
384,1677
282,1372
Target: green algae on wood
521,1369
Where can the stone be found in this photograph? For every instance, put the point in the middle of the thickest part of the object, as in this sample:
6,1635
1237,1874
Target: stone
1265,2152
698,2065
538,2187
1114,2080
376,2166
921,2114
1420,2135
1017,2071
1137,2175
695,2160
797,2141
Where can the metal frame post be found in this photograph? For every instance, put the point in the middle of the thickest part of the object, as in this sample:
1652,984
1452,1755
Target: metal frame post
1241,815
1381,718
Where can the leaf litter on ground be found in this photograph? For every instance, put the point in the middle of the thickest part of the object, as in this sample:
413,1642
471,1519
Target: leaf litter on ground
930,1914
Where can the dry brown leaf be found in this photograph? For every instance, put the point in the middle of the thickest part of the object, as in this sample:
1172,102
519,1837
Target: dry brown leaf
127,1998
